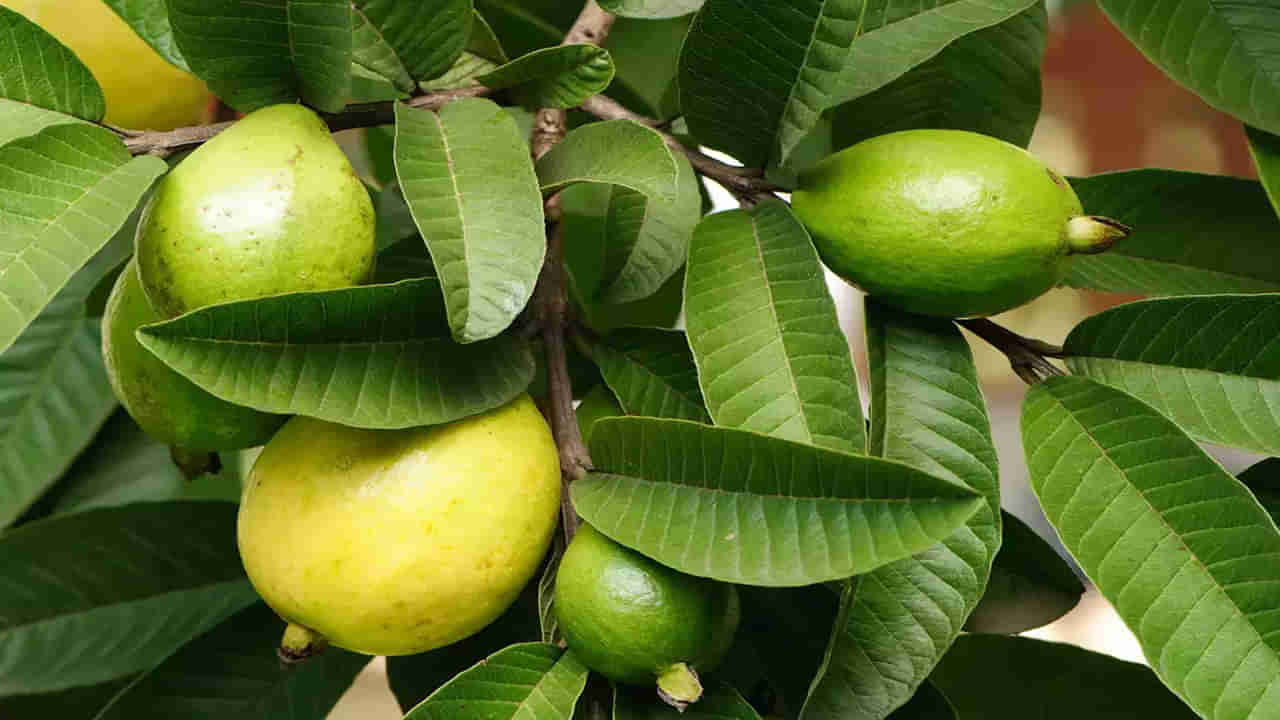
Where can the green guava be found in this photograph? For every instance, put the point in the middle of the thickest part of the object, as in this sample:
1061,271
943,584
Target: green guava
271,205
169,407
639,622
946,222
394,542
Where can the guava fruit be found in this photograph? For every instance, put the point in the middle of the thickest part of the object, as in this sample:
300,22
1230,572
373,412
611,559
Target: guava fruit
639,622
394,542
271,205
166,405
946,222
143,90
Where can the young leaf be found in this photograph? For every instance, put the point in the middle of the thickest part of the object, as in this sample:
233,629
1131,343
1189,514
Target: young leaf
1030,586
1177,545
1209,363
1263,480
371,51
747,508
1192,233
756,100
529,680
615,152
652,373
560,77
651,9
898,621
467,177
427,35
377,356
38,70
97,595
763,329
150,19
254,54
64,192
719,702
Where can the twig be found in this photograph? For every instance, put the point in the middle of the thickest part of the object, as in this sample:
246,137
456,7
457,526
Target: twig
1026,355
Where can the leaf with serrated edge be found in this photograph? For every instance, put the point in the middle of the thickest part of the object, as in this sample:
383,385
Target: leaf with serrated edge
1210,363
150,20
559,77
718,702
741,507
427,35
1179,547
1031,585
38,70
469,182
763,328
529,680
651,372
615,152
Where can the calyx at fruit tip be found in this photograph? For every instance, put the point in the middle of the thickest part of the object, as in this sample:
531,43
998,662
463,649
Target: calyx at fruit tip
1092,234
679,686
300,644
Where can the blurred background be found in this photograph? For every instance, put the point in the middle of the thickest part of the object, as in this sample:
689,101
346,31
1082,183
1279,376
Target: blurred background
1105,107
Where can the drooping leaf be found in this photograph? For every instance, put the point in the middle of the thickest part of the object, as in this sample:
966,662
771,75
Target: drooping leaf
376,356
651,9
742,507
1192,233
1177,545
1030,586
529,680
898,621
427,35
1209,363
652,373
371,51
150,20
98,595
64,192
762,325
38,70
560,77
254,54
718,702
615,152
993,677
1263,480
469,182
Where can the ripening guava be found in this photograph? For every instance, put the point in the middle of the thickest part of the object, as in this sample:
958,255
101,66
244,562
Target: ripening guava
946,222
393,542
271,205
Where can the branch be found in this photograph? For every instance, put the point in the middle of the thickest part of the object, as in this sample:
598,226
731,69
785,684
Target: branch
1026,355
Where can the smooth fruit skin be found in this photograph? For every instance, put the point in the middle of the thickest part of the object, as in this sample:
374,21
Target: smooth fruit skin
271,205
169,407
392,542
143,90
630,618
940,222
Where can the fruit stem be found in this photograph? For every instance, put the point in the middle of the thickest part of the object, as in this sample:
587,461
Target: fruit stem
194,463
300,643
1092,234
679,686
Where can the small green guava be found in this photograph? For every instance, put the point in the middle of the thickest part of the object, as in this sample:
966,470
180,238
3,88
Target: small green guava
271,205
946,222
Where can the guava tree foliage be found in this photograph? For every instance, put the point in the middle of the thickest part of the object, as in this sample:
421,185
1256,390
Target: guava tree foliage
537,174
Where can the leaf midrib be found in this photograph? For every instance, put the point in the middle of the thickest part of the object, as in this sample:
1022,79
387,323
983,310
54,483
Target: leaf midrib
817,498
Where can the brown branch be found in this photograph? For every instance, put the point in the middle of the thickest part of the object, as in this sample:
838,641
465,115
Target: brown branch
1026,355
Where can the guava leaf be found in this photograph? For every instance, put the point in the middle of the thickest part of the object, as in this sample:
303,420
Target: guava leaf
1209,363
98,595
150,20
719,702
898,621
272,51
469,182
427,35
1178,546
376,356
371,51
1263,480
615,152
1192,233
651,9
36,69
526,25
1265,149
20,120
529,680
651,372
1030,586
741,507
560,77
483,54
646,53
770,354
927,704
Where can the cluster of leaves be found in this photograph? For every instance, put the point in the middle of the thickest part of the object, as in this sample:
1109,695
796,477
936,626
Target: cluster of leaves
863,549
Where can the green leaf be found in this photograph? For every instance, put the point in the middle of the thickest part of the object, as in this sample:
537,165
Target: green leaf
1030,586
1263,480
548,623
371,51
38,70
986,82
652,373
615,152
1177,545
394,221
741,507
64,192
407,259
526,25
646,54
427,35
529,680
1192,233
376,356
254,54
560,77
150,20
993,677
651,9
483,54
1225,52
898,621
1265,150
756,100
20,120
97,595
469,182
1209,363
927,704
763,329
719,702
